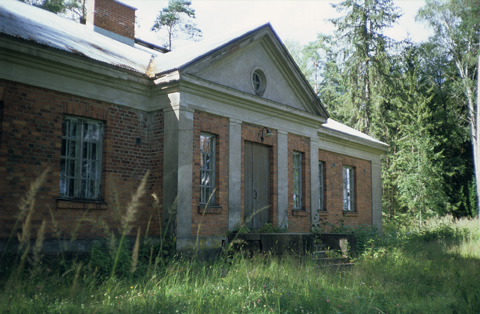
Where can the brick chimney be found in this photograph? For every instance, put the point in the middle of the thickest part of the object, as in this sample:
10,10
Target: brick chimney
112,18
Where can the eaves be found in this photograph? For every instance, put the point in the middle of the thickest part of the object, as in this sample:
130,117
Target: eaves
24,61
348,140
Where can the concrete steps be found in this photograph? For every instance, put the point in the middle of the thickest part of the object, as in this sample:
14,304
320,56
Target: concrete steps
323,258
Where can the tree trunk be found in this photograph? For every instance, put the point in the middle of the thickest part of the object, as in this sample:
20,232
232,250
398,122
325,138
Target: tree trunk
476,152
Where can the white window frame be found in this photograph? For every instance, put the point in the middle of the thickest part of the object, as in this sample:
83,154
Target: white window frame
297,180
81,159
207,169
348,189
321,185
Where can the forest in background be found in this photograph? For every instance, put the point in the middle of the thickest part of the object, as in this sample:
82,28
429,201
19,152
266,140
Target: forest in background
419,98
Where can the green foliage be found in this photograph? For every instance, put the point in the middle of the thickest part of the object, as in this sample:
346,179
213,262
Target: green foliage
270,228
408,271
365,62
55,6
456,25
176,18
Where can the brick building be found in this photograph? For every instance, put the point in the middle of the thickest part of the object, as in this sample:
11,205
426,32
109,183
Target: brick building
229,129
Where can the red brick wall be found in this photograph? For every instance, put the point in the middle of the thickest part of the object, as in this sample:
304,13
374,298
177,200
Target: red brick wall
213,222
31,142
333,165
252,133
299,221
115,17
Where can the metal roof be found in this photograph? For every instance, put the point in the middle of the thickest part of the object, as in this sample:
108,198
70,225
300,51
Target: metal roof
342,128
25,21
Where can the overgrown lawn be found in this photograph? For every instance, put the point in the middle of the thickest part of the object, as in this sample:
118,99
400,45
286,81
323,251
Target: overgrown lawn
433,269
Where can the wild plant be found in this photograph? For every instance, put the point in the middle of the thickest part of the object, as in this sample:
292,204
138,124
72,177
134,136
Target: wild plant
129,217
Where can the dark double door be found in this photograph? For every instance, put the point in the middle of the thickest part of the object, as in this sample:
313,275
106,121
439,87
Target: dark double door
256,185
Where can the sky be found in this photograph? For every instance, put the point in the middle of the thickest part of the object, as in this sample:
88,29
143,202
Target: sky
297,20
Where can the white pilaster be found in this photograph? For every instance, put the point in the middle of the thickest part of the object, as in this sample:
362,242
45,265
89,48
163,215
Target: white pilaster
177,167
234,174
282,175
377,194
314,184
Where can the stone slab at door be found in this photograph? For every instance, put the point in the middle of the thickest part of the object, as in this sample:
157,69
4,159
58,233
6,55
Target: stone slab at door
256,185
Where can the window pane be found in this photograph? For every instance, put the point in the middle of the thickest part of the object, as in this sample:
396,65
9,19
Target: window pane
92,189
83,189
63,166
207,161
85,169
85,134
63,151
73,129
71,168
85,150
63,186
72,148
93,151
93,170
71,187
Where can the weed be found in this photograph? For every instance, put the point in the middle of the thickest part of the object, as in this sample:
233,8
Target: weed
433,269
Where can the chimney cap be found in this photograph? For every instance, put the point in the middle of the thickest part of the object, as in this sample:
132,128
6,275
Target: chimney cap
123,3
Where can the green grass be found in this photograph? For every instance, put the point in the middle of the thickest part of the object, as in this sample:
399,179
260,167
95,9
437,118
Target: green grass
433,269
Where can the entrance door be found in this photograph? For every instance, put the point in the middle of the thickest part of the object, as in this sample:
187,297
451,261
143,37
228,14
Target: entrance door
257,185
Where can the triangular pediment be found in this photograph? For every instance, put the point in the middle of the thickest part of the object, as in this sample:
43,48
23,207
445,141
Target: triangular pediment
233,65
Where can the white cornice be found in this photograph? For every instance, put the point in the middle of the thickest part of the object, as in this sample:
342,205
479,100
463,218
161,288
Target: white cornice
339,141
37,65
228,95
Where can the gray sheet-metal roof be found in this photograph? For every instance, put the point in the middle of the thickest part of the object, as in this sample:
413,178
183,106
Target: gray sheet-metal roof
22,20
184,56
338,127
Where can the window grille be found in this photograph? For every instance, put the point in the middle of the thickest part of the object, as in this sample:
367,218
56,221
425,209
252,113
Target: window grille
297,180
81,158
348,189
207,169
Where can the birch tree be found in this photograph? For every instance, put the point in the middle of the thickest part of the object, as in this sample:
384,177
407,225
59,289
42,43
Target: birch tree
175,19
457,24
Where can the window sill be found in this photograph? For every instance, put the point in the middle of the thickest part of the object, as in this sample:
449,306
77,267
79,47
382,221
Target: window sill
215,210
322,213
350,214
300,212
64,203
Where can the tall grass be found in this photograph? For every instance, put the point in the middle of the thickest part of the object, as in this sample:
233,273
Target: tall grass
433,269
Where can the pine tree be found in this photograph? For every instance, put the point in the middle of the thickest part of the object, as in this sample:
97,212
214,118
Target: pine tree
366,64
417,159
176,18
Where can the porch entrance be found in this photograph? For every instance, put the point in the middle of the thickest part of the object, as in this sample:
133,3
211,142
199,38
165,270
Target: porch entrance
256,185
